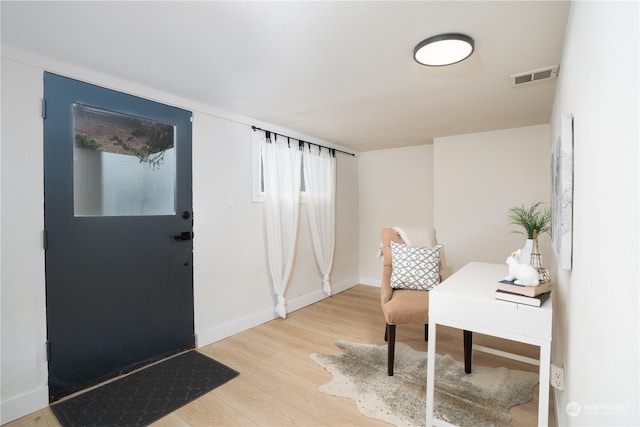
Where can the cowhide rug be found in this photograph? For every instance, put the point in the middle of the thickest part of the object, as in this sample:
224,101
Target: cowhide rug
480,398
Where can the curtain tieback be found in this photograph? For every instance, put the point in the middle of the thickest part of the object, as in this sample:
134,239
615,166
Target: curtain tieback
326,284
281,308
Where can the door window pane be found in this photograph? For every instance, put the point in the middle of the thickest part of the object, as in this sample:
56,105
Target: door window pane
123,165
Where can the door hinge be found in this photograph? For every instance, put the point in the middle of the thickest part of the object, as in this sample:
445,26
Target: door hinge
47,349
44,108
45,240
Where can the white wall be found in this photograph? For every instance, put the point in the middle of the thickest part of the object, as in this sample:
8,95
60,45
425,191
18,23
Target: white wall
477,179
231,285
462,186
396,189
233,291
596,304
23,365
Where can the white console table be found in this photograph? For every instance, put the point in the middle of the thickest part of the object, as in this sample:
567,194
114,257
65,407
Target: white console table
466,301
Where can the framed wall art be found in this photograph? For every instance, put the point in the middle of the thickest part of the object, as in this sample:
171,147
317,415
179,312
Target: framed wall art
562,193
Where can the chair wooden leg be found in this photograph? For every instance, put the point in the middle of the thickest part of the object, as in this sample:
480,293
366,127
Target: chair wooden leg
386,332
391,332
468,344
426,332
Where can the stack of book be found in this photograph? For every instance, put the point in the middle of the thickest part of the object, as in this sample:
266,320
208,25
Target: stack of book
529,295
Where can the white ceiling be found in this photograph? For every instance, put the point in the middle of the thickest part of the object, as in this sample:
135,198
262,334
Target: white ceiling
340,71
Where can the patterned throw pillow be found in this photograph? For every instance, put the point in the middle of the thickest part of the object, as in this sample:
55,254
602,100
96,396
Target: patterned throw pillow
414,267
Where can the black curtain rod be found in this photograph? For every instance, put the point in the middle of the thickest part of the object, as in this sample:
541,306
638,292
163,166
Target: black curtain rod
255,128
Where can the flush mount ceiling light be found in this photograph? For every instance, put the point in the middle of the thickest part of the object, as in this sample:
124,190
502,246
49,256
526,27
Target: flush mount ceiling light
443,49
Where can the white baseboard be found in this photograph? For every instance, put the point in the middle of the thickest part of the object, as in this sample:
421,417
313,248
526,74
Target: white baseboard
211,335
370,281
24,404
207,336
343,286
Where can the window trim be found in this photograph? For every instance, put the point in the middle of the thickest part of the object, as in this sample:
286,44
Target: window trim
257,190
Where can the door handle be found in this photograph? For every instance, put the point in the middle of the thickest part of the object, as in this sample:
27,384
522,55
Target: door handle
185,235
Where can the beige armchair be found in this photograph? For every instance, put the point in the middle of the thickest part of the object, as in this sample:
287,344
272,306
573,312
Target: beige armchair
403,306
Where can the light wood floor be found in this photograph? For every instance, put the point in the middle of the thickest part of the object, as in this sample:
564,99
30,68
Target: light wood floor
278,381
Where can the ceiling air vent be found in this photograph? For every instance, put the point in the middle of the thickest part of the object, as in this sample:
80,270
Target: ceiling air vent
534,76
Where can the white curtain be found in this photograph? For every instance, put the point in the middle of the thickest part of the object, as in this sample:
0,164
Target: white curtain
319,166
281,171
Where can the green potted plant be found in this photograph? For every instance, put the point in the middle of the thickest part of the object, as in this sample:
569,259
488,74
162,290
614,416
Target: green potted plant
534,221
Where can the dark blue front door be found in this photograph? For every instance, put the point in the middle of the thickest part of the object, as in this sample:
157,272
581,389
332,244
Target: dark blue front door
118,219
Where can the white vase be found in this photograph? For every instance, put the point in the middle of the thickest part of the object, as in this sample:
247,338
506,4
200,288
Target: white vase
525,252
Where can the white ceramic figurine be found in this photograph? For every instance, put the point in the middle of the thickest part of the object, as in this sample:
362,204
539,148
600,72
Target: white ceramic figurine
523,274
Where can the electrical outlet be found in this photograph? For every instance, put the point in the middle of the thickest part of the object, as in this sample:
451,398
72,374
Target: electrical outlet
557,377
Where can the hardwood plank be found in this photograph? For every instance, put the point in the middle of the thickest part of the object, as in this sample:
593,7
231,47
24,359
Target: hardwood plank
278,382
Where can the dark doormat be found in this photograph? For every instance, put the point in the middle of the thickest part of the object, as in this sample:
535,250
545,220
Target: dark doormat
146,395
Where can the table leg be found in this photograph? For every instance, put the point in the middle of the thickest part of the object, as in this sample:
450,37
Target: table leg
543,394
468,347
431,371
